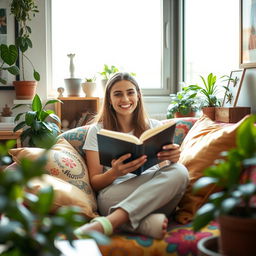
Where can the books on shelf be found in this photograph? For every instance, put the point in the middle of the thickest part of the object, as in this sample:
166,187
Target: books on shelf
113,144
85,118
7,126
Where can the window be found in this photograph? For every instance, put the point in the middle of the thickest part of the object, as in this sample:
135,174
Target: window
211,38
129,34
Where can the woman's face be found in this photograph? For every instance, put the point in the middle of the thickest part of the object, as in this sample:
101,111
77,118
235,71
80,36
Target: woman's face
124,97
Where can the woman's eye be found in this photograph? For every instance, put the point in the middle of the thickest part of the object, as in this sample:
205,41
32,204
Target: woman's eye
118,94
131,92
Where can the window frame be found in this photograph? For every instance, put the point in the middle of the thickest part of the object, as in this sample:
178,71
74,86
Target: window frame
170,49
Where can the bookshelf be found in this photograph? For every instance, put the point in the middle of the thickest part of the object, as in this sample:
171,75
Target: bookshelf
73,108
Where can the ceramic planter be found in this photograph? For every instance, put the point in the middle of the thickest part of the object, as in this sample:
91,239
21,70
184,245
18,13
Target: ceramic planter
73,86
25,90
179,114
90,89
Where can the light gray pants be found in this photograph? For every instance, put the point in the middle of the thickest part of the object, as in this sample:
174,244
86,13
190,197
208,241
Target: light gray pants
154,191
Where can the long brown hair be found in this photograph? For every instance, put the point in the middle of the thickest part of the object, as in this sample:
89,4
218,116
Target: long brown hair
107,115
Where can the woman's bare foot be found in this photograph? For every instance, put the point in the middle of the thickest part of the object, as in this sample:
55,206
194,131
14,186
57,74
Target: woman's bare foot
104,225
154,225
96,226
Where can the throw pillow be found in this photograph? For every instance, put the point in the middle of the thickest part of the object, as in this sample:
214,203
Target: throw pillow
76,137
183,125
64,162
65,194
200,148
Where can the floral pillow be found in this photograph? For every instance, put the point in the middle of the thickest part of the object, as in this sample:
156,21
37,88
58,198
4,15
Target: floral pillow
183,125
64,162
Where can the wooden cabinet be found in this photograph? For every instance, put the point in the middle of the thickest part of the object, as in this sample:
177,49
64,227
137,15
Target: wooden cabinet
10,135
73,109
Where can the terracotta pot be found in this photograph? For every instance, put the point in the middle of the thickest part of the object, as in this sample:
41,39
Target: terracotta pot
209,111
237,236
190,114
25,90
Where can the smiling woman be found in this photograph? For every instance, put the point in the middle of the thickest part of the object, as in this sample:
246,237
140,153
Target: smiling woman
112,32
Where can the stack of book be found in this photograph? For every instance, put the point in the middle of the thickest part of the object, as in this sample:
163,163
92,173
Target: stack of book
7,126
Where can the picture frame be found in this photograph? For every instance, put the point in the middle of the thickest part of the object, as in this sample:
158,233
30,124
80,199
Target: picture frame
232,88
247,33
8,34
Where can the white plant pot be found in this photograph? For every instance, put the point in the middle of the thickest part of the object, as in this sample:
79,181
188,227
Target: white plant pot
90,89
73,86
7,119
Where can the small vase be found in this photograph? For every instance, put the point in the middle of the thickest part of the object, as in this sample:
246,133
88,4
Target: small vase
73,86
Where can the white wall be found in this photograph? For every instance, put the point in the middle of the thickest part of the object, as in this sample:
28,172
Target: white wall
154,105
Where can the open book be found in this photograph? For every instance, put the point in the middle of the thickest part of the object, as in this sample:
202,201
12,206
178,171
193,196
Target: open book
113,144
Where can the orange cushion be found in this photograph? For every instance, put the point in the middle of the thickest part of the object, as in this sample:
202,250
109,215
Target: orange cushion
200,148
65,163
65,194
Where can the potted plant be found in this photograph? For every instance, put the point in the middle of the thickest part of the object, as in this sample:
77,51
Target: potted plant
37,129
23,11
106,73
209,91
28,226
184,103
9,55
90,87
235,204
229,112
6,116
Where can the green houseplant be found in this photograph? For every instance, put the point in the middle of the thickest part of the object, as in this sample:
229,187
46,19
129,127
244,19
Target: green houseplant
23,11
106,73
235,204
33,229
209,91
184,103
9,55
37,129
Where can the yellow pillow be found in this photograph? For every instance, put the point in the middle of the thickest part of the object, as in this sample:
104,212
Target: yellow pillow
200,148
65,194
65,163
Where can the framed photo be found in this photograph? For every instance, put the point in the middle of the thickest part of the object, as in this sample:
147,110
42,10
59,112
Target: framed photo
7,36
232,88
247,33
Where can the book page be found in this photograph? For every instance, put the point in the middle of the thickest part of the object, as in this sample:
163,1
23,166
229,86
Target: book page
149,133
120,136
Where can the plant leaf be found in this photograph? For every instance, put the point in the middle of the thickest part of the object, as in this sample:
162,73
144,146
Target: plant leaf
36,103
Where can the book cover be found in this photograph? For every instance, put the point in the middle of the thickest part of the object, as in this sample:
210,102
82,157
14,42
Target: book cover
112,145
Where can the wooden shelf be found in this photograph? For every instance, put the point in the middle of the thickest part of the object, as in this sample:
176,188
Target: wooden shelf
10,135
72,108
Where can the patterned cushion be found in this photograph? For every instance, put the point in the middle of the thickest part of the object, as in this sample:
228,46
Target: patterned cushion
64,163
183,125
180,240
76,137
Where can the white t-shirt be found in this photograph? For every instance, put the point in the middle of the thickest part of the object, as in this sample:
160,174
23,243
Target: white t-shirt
92,144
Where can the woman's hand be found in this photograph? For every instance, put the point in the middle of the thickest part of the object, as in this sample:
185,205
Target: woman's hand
170,152
120,169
